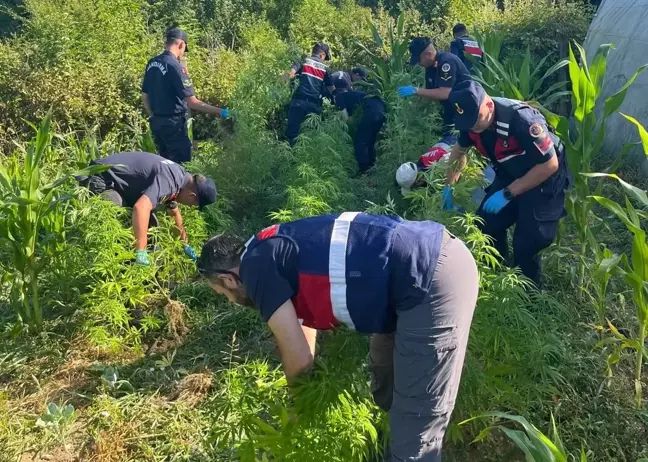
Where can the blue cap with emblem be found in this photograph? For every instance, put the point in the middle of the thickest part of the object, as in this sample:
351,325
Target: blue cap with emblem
466,99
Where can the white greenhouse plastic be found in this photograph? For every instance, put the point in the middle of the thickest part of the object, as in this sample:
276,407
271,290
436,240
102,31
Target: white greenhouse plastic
624,23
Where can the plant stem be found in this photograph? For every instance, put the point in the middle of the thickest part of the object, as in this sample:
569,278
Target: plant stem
37,317
639,361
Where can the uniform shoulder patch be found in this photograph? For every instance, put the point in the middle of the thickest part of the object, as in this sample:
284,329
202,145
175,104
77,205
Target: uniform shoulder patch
445,67
536,130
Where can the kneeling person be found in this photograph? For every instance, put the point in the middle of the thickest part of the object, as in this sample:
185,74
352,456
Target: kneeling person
411,284
372,118
531,175
143,181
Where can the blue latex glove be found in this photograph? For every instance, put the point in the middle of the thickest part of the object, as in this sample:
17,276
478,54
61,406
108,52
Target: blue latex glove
446,194
496,202
225,113
142,258
190,252
407,91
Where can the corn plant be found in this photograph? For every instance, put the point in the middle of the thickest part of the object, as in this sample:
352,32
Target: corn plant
386,67
634,269
34,220
524,83
584,139
537,446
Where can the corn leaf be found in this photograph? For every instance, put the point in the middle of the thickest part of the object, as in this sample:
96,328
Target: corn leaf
616,209
613,103
599,63
643,134
637,193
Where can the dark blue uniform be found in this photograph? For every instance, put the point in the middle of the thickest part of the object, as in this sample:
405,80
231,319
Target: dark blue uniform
137,174
518,140
411,284
314,77
446,73
464,46
167,84
371,121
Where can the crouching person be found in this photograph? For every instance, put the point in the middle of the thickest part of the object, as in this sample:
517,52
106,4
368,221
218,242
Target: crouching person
145,181
411,284
408,178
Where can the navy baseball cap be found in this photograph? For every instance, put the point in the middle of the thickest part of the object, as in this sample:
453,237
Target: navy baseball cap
418,46
206,189
323,48
360,71
466,99
176,33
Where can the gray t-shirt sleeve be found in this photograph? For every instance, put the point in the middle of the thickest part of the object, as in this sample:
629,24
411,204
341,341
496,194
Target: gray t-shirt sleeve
164,186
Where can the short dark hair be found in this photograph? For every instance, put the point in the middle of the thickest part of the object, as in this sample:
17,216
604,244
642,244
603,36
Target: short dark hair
220,254
458,28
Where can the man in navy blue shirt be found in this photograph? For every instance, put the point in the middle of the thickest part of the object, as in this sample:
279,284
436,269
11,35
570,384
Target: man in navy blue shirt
464,45
442,72
371,120
145,181
314,81
531,174
167,92
411,284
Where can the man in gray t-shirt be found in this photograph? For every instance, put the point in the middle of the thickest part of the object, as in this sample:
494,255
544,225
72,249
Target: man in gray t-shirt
146,181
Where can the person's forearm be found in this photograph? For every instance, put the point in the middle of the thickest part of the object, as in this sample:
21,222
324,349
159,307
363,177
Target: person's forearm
534,177
311,338
203,107
140,226
177,218
439,94
456,163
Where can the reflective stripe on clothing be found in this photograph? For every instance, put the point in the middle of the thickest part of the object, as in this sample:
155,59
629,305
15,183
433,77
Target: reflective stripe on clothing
337,267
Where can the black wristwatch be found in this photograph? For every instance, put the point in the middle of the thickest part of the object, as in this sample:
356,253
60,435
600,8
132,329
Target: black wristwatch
507,194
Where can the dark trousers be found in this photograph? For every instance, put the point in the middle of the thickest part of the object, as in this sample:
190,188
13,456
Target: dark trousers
447,116
535,215
365,139
415,372
298,110
99,186
171,138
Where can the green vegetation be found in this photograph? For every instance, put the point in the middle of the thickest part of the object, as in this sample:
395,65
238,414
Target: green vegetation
104,360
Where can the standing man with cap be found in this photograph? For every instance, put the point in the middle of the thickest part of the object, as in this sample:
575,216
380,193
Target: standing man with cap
464,45
314,81
530,172
144,181
411,284
372,117
442,72
167,92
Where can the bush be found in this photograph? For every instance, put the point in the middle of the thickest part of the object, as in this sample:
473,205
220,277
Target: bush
537,24
319,21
